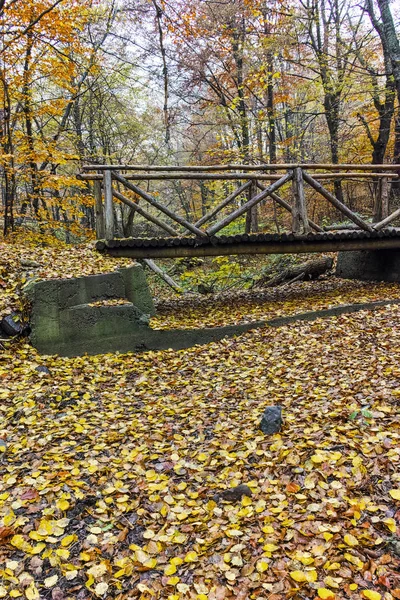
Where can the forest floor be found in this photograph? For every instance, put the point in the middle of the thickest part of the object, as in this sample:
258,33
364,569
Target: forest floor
110,464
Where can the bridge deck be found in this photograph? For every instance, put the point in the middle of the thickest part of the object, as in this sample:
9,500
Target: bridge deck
260,243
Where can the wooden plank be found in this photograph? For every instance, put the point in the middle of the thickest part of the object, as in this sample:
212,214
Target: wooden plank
160,207
144,214
98,210
287,206
236,176
336,203
224,203
108,206
233,167
164,276
388,220
200,176
287,247
245,207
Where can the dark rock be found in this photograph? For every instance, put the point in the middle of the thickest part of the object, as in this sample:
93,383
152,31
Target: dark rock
271,421
233,494
12,325
42,369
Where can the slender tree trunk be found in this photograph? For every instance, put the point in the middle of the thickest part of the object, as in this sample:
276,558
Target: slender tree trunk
386,30
35,195
159,15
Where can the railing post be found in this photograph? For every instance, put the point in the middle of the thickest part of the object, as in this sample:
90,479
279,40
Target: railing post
381,204
252,213
98,209
384,196
300,222
108,206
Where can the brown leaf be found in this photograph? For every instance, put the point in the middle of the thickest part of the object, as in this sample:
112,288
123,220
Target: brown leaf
5,533
29,494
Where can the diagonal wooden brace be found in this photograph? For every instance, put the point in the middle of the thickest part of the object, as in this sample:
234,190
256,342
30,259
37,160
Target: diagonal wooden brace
158,205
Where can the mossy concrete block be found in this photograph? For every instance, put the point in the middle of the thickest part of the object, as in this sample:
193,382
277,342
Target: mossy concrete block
101,321
369,265
62,316
137,290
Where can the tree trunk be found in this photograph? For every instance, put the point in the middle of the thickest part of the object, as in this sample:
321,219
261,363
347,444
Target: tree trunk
306,271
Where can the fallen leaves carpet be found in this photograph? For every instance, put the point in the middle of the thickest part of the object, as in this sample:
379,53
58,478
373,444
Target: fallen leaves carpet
111,465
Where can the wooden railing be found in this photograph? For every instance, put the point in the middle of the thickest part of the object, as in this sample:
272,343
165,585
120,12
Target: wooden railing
257,182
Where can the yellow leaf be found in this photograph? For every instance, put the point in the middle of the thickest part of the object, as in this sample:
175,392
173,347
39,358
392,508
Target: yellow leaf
85,556
141,556
298,576
331,581
262,566
97,570
38,548
32,592
311,575
101,588
395,493
148,534
354,560
270,548
234,533
325,594
18,541
173,580
327,536
317,459
350,540
191,557
69,575
62,504
268,529
391,525
332,567
170,570
50,581
151,563
68,539
371,595
182,516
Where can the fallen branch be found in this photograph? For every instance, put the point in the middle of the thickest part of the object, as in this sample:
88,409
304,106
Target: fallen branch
306,271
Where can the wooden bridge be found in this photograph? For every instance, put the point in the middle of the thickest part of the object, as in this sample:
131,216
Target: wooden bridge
254,184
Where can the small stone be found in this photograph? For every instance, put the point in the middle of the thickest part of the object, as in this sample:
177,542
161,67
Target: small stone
42,369
271,421
11,325
233,494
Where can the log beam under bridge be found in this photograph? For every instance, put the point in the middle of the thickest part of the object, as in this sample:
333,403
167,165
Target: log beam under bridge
252,244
